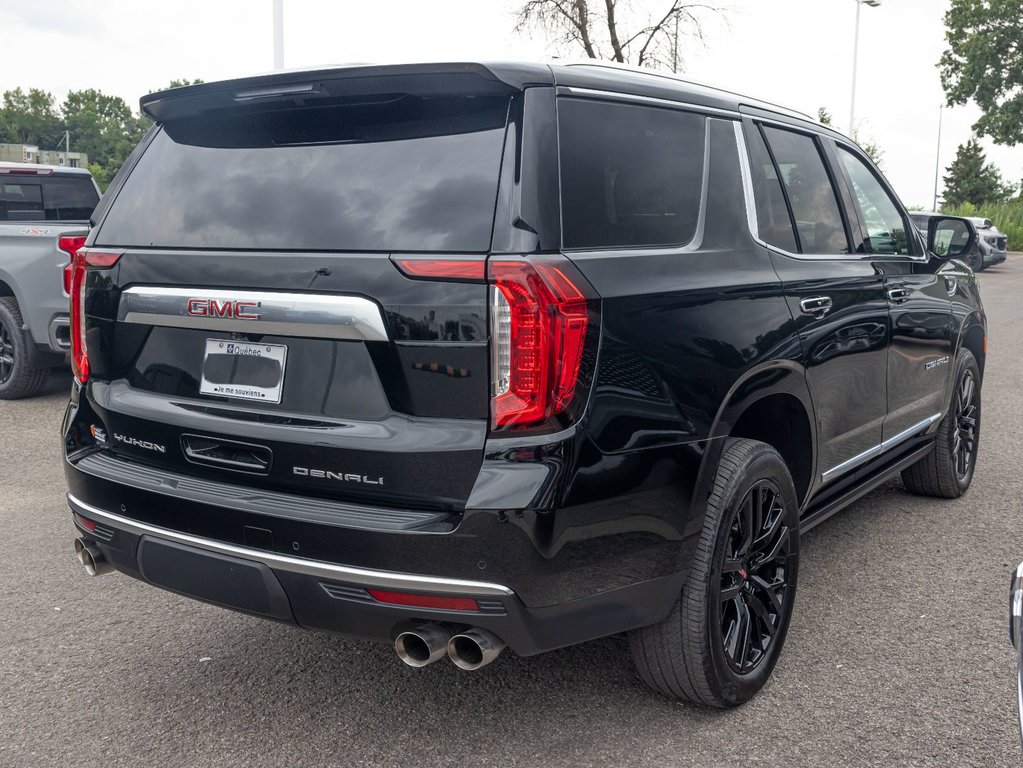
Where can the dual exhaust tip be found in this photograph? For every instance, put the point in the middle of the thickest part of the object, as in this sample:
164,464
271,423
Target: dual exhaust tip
91,558
427,643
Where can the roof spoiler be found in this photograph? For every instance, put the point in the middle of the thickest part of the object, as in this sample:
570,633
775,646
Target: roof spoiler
300,87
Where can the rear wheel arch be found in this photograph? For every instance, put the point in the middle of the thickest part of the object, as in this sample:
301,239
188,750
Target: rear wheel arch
773,405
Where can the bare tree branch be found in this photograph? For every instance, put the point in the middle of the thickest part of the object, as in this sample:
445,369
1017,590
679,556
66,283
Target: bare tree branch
617,26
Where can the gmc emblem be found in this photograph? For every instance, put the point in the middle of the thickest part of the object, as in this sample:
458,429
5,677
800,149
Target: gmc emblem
240,310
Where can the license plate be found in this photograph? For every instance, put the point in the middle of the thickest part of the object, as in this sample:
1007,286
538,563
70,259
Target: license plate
243,370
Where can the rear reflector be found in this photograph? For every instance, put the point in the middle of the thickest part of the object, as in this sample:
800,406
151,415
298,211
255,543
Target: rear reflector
88,525
80,262
443,269
439,602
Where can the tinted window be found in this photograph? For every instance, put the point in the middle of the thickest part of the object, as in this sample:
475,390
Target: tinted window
886,228
813,200
69,199
20,202
402,173
773,218
630,176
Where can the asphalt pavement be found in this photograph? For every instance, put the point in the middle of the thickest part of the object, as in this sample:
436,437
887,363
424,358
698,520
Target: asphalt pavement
898,652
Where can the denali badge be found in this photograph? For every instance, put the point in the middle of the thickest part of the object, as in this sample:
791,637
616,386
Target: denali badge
344,477
240,310
140,443
935,363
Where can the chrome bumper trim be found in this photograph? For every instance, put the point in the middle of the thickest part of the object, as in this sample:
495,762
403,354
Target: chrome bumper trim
364,577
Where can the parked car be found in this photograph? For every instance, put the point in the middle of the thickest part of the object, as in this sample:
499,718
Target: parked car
44,217
1016,635
975,259
466,356
993,243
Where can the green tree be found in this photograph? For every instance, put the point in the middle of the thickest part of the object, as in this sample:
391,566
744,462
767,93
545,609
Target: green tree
969,179
30,118
102,126
984,62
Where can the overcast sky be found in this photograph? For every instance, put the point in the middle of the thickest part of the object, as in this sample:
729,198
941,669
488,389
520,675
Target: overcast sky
793,52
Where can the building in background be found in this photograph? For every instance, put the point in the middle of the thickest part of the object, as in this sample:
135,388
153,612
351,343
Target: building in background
29,153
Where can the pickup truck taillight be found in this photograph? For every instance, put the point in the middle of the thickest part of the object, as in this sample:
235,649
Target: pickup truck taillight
541,309
70,245
83,259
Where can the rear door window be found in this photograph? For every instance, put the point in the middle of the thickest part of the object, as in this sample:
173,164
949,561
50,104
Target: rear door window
400,173
809,190
69,199
773,219
20,201
631,176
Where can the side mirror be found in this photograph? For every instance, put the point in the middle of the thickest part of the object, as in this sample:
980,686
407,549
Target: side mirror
949,237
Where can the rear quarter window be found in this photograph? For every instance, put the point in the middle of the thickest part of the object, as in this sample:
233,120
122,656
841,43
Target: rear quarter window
631,176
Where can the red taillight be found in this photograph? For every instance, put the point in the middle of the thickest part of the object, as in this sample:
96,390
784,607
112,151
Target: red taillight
443,269
440,602
70,245
80,262
540,312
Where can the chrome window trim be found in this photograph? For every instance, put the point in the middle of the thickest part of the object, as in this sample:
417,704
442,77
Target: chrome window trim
364,577
751,211
593,93
280,314
882,447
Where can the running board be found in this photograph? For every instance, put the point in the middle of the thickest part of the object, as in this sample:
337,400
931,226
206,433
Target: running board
818,516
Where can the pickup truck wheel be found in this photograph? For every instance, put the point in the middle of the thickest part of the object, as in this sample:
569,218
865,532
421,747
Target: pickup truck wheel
723,636
947,471
17,378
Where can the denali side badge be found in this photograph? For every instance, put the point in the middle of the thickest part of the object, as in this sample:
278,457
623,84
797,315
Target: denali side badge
935,363
140,443
344,477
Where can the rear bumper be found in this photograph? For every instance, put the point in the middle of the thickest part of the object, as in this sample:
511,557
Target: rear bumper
332,597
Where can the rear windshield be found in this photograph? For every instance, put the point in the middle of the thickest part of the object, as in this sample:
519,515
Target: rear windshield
46,198
400,174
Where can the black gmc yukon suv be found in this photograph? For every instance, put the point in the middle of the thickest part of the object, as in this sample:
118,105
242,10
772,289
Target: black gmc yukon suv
467,356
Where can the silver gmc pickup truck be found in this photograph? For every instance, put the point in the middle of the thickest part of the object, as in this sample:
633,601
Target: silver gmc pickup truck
44,218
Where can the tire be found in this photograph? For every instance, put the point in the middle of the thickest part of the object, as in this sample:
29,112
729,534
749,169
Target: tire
975,260
947,471
17,378
685,656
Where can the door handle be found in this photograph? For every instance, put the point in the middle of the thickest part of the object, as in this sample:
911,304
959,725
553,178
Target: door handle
817,306
898,295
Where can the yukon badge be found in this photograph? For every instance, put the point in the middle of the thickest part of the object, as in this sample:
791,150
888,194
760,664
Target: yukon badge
139,443
344,477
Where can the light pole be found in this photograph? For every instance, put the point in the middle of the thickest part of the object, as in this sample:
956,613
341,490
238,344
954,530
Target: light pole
278,34
937,159
856,53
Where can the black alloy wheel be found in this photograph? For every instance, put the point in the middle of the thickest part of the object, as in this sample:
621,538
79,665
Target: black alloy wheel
964,436
947,471
754,577
6,353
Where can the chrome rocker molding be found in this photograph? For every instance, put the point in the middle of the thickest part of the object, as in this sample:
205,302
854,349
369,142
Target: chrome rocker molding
280,314
364,577
877,450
